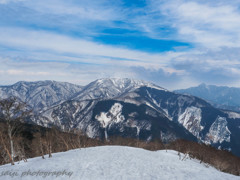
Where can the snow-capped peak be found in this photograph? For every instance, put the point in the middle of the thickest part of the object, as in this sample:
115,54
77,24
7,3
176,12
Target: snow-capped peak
111,87
126,83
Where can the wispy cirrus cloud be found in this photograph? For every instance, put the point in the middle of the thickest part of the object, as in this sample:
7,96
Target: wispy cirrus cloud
210,24
79,50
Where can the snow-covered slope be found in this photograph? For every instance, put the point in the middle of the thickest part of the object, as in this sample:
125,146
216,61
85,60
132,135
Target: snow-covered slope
129,108
115,162
110,88
194,114
103,118
40,94
147,113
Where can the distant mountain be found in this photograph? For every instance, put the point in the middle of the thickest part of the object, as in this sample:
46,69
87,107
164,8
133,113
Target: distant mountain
136,109
40,94
220,96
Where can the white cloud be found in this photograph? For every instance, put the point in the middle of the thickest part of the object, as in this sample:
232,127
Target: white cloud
84,51
43,55
12,71
211,25
27,73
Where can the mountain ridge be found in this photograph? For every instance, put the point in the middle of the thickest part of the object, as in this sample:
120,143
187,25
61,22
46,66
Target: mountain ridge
40,94
138,109
219,96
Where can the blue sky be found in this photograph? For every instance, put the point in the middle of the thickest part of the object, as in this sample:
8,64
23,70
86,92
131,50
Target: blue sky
173,43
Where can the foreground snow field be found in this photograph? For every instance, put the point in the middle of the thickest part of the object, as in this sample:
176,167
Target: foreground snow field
112,162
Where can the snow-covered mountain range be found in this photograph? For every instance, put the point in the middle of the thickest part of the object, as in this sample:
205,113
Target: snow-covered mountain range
129,108
41,94
114,162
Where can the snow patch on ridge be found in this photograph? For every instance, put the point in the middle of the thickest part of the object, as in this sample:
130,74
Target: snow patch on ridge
158,105
91,131
233,115
218,131
113,116
191,120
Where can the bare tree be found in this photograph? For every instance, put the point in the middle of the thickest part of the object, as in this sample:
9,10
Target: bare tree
7,155
12,112
49,141
79,134
39,143
63,139
20,145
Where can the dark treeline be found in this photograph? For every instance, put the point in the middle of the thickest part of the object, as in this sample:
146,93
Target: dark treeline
32,140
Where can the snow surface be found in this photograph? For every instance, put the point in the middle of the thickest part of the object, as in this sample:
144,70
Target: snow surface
114,115
191,120
219,131
115,162
233,115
